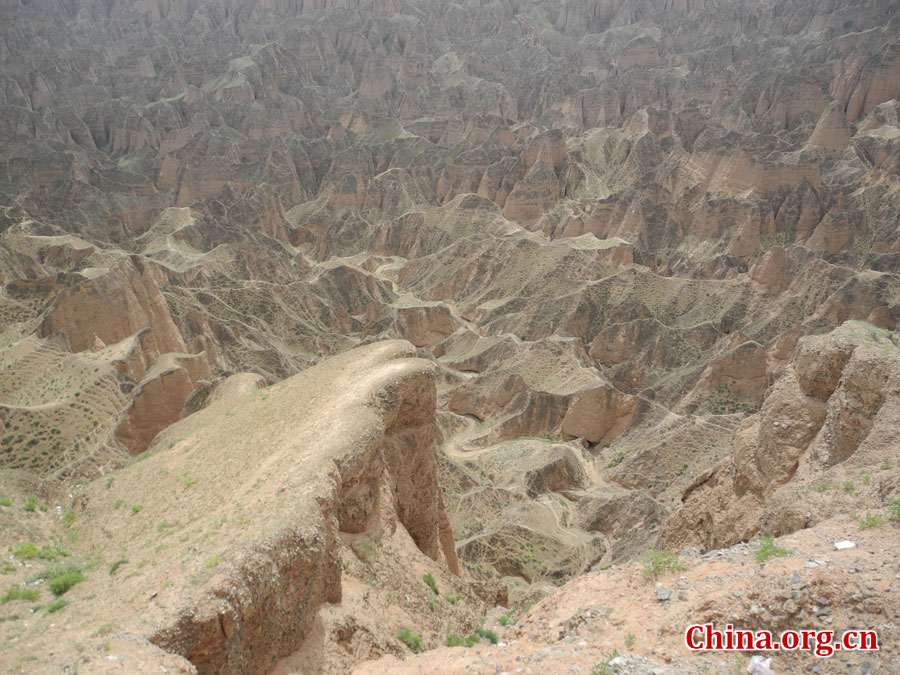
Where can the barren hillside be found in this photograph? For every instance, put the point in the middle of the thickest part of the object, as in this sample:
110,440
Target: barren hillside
330,329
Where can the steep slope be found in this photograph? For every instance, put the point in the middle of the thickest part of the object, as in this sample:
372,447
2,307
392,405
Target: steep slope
234,543
619,232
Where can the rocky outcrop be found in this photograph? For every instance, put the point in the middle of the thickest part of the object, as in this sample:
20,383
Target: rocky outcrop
834,405
159,397
348,459
112,305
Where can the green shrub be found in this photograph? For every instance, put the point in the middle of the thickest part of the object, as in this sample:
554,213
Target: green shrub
57,605
407,637
487,635
766,548
30,594
136,509
28,551
615,461
432,584
63,582
60,578
657,562
30,505
25,551
116,565
454,641
452,599
871,520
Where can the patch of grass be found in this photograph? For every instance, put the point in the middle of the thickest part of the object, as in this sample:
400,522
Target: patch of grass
894,508
615,461
30,594
657,562
60,578
57,605
849,487
28,551
68,519
822,487
63,582
116,565
30,505
411,640
25,551
629,641
188,481
136,509
506,619
487,635
5,502
452,599
871,520
604,667
428,578
766,548
211,562
109,482
454,641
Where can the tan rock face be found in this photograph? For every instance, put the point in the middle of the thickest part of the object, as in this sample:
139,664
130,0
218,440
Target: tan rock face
160,398
378,476
117,304
832,131
833,404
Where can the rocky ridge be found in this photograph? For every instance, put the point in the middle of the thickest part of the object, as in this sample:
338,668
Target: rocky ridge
627,235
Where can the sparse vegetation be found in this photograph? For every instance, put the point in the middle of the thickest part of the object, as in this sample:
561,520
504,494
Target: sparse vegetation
136,509
629,641
30,505
428,578
482,632
871,520
57,605
411,640
605,667
452,599
766,548
116,565
62,582
658,562
615,461
894,509
15,593
468,641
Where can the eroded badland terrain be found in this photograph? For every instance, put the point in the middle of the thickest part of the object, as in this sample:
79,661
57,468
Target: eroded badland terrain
334,331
